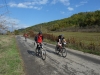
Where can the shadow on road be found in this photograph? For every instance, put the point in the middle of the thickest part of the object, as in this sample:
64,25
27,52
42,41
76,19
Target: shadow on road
52,52
58,54
31,52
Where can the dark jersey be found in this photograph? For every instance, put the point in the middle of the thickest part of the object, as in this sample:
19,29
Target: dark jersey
61,38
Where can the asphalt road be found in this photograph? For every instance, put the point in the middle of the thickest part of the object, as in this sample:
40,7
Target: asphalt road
76,62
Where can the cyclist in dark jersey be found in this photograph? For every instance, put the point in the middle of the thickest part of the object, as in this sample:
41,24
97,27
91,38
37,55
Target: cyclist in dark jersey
60,41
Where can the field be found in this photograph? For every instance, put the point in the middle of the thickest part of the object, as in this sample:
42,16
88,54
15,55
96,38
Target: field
10,60
84,37
83,41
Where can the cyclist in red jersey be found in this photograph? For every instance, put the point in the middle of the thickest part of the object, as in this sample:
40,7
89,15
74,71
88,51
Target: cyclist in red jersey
39,38
25,35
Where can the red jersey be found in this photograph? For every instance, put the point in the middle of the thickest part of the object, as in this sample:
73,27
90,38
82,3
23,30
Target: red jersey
25,35
39,38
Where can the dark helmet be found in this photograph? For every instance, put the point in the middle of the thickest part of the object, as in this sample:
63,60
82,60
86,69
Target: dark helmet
40,32
61,36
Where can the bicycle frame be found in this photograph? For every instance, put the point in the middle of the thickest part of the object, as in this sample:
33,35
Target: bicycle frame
39,46
62,46
41,51
62,50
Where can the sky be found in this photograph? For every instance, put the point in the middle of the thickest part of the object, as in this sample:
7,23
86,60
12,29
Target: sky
26,13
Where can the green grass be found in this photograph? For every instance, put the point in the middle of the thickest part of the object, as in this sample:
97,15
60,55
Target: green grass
10,60
90,42
81,36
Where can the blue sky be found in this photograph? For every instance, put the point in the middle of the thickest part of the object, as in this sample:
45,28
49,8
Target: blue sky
25,13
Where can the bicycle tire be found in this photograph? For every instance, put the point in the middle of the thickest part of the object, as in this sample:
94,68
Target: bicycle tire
56,51
37,53
43,54
64,52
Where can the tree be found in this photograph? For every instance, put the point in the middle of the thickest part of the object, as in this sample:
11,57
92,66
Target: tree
16,32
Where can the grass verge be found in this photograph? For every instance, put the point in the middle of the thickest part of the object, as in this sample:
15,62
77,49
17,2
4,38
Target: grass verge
10,61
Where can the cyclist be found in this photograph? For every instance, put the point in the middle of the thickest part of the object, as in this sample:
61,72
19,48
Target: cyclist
60,41
25,35
39,39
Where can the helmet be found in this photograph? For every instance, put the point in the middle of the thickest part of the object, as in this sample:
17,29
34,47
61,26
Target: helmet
40,32
61,36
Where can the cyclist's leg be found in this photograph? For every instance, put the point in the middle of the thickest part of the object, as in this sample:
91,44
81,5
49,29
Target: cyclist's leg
36,45
42,44
57,46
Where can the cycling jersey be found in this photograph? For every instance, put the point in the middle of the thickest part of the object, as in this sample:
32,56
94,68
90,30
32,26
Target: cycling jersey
39,38
26,35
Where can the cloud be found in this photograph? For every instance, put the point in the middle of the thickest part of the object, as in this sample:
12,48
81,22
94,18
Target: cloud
62,12
54,2
70,8
38,8
8,20
36,4
81,3
21,26
20,5
42,1
65,2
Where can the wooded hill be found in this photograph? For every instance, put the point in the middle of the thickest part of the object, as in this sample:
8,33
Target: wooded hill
89,21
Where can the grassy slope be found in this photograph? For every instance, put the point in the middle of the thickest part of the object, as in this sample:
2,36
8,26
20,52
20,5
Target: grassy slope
10,61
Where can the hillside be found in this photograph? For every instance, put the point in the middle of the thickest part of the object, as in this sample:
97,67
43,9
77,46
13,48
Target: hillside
83,21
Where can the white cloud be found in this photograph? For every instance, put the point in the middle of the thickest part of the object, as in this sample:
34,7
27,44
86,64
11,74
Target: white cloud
70,8
22,26
62,12
11,4
36,4
81,3
65,2
54,2
9,20
42,1
33,4
38,8
22,5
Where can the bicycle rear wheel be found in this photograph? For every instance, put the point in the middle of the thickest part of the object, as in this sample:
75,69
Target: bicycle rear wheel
64,52
43,54
56,51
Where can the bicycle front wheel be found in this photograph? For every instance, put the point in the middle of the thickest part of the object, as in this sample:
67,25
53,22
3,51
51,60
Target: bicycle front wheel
56,51
36,51
43,54
64,52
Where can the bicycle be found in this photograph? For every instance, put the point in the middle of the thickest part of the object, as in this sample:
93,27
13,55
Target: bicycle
25,38
61,49
40,51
